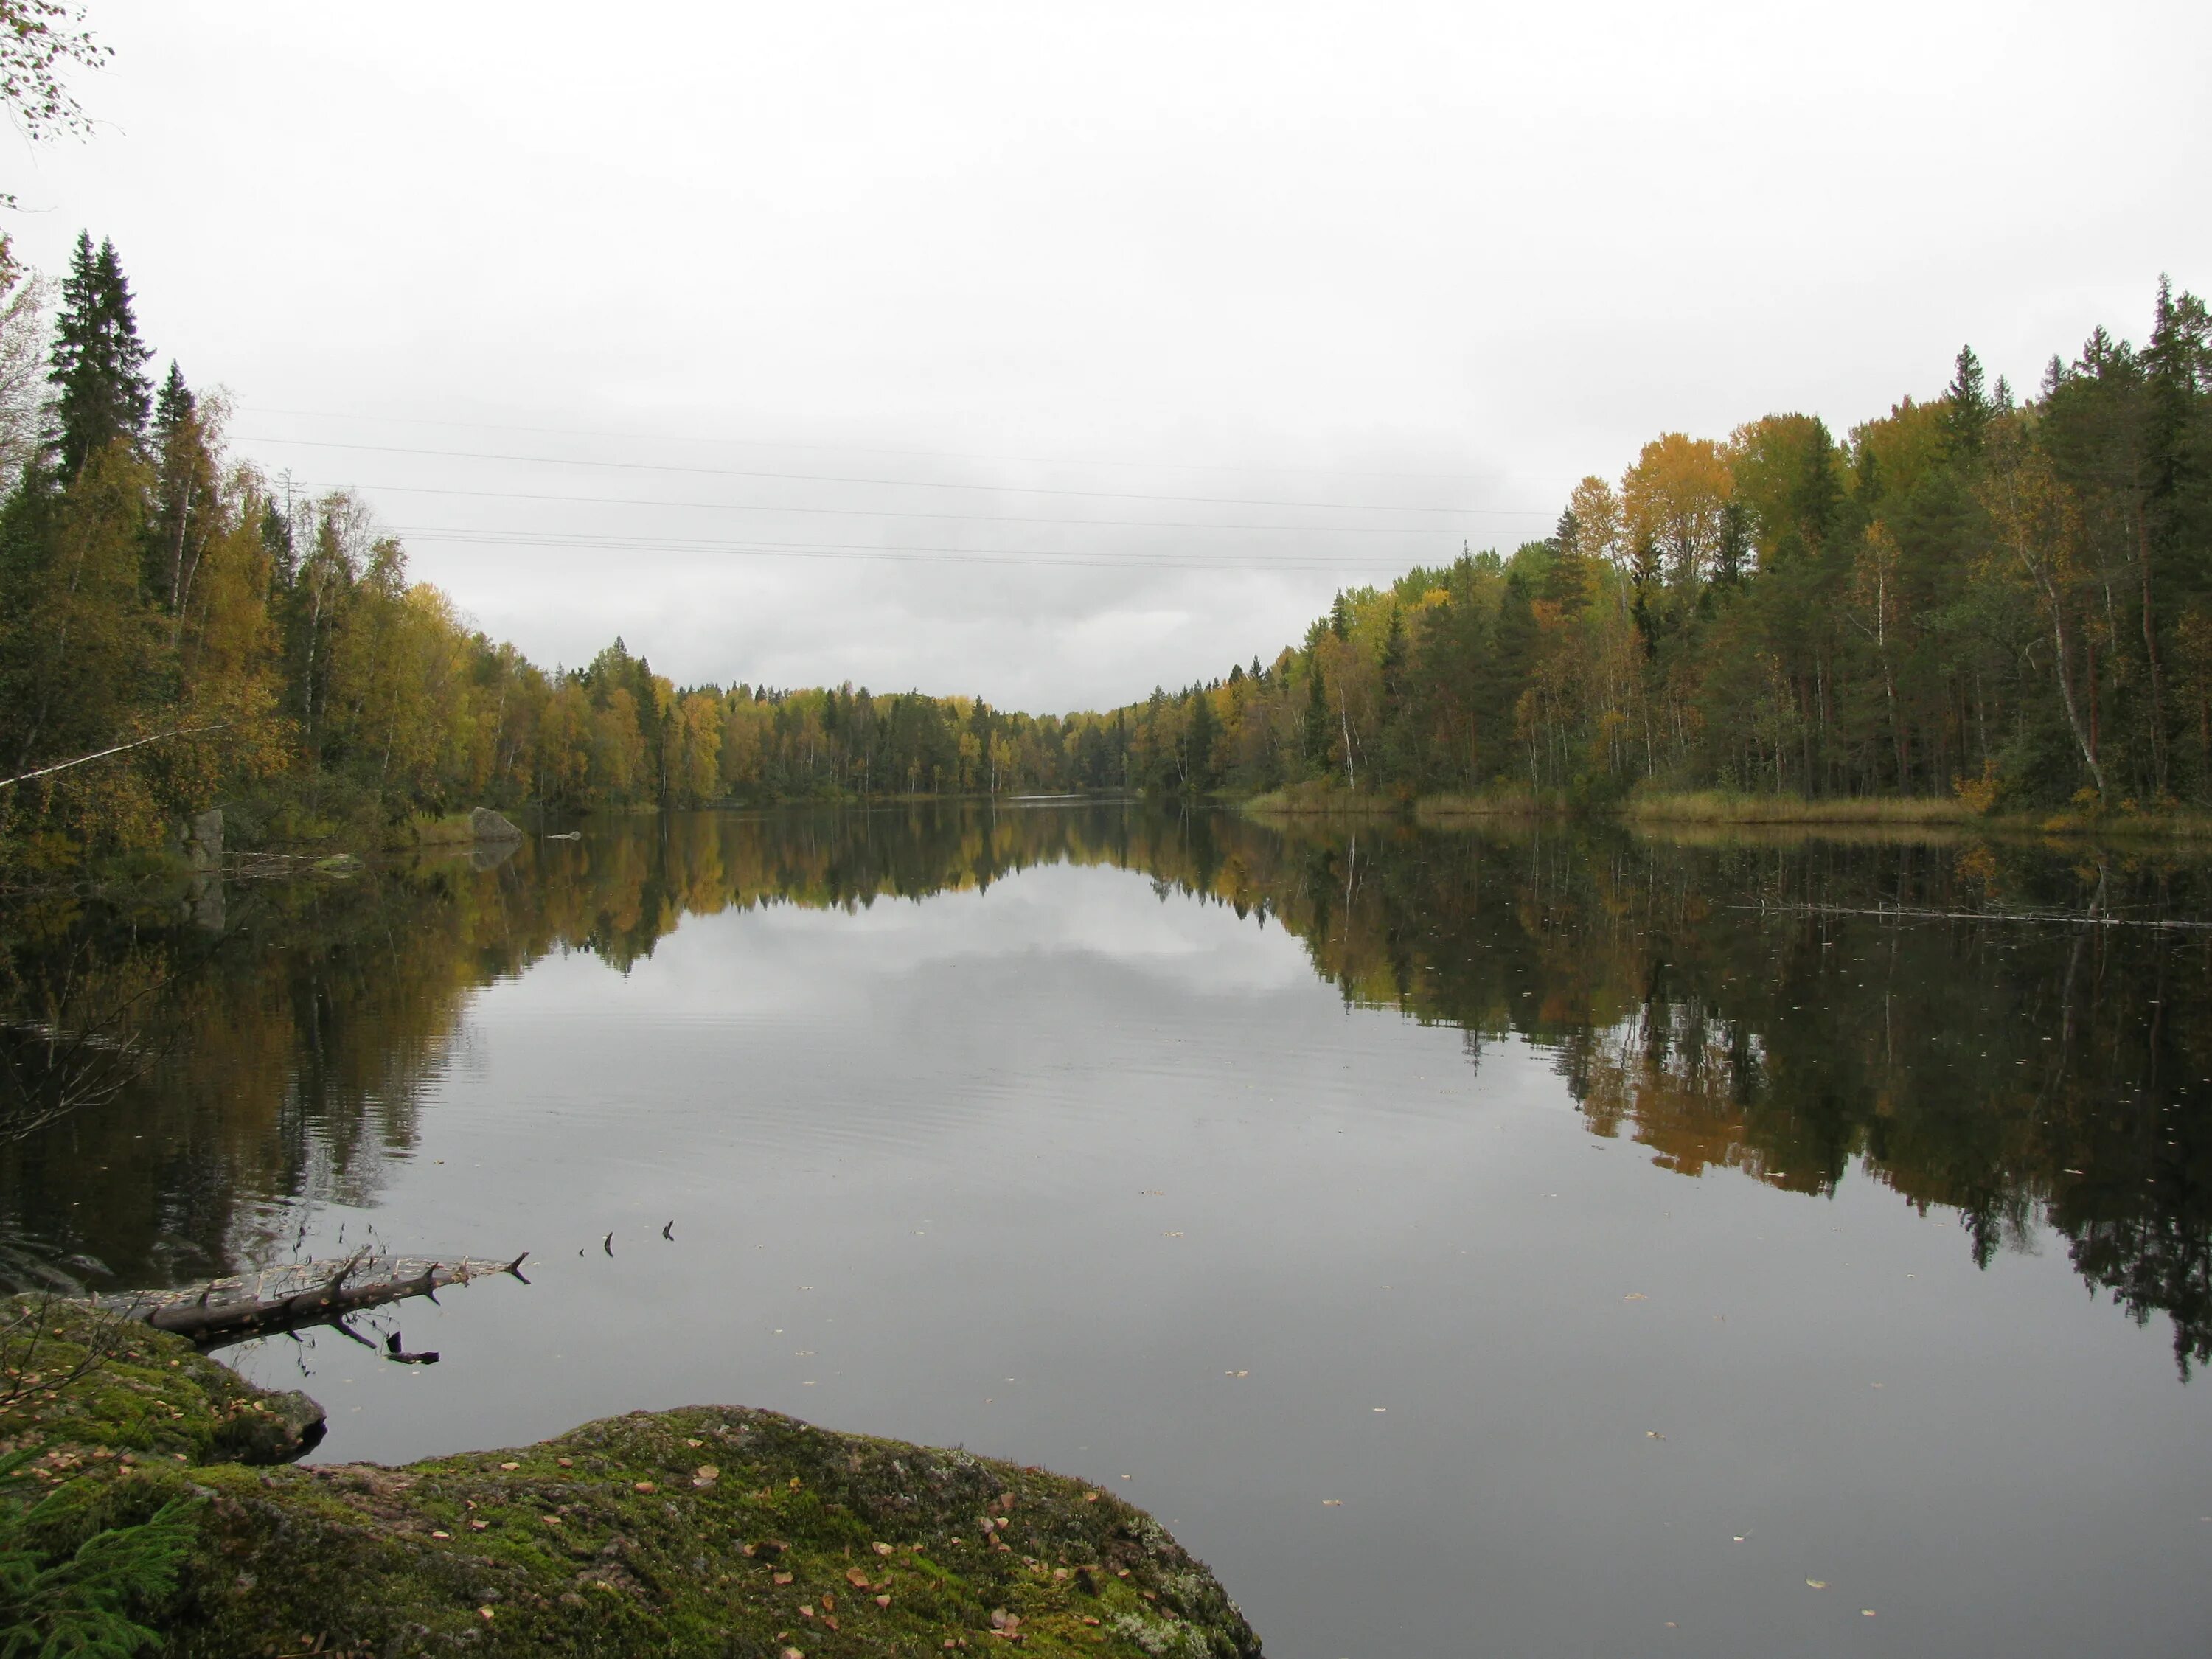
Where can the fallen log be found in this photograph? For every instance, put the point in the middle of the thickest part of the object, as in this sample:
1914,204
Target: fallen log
288,1298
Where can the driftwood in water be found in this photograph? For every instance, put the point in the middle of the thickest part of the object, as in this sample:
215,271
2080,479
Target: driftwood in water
226,1311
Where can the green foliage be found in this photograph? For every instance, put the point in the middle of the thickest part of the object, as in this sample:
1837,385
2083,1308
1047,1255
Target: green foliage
1960,590
79,1601
100,389
1965,592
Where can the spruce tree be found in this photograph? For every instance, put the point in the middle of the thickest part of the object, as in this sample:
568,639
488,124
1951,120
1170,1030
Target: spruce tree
1314,736
99,364
174,404
1968,414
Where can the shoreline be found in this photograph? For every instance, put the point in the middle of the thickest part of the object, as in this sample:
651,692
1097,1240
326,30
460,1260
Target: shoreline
1716,810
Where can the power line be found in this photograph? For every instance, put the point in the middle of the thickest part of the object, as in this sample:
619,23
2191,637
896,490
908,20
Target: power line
894,553
872,449
896,483
882,513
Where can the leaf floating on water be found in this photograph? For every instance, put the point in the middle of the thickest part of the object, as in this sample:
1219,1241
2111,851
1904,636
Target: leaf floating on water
1332,1502
1636,1296
1866,1613
1816,1584
1653,1434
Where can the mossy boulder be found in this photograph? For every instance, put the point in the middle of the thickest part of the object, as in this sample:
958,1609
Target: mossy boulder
484,824
708,1530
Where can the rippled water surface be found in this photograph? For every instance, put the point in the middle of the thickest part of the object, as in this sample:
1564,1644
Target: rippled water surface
1546,1242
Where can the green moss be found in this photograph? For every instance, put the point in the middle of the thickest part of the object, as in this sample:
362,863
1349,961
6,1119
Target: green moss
709,1530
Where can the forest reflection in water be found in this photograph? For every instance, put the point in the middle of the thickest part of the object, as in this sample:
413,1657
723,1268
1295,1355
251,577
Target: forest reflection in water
1789,1010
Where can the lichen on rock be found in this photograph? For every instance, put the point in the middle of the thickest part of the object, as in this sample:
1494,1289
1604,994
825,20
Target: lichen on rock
706,1530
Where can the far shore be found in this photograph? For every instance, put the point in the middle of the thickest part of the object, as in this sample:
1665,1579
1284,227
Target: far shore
1719,809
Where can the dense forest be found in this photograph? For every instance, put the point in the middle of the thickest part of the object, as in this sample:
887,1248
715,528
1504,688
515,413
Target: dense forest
1973,597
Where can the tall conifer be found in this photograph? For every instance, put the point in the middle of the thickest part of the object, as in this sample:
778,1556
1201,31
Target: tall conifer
1967,395
1314,734
98,363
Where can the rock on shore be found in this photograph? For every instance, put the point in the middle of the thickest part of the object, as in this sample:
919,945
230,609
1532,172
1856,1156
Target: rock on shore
706,1530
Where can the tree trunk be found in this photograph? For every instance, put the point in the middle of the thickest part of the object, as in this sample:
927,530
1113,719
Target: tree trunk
2150,651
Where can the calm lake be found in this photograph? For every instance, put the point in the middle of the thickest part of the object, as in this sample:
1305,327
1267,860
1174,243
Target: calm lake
1538,1242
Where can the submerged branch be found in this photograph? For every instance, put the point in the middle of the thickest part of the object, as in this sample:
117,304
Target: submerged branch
226,1310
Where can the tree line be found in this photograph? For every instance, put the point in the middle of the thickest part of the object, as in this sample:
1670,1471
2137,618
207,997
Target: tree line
180,630
1975,595
1978,597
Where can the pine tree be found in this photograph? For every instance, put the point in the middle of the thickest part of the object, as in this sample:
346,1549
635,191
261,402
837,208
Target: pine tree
99,364
1968,416
183,487
1394,662
1315,733
1204,730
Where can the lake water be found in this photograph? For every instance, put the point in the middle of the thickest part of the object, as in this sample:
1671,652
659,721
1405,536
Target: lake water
1537,1242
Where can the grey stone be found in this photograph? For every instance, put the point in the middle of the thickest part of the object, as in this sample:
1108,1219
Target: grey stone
281,1428
488,825
204,839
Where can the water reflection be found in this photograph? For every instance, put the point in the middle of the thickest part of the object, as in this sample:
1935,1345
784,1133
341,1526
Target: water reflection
1791,1009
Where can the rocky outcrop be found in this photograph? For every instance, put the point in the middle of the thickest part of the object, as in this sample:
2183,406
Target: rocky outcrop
706,1530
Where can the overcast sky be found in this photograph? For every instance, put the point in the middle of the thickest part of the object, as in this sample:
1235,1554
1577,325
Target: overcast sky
1116,337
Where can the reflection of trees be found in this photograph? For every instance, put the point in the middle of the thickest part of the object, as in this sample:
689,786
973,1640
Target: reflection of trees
1716,1004
1712,1003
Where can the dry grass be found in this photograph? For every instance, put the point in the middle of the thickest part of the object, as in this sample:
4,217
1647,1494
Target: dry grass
1719,806
427,831
1322,801
2185,824
1503,803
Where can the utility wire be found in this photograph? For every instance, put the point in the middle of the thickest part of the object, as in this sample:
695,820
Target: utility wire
896,553
881,512
896,483
870,449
